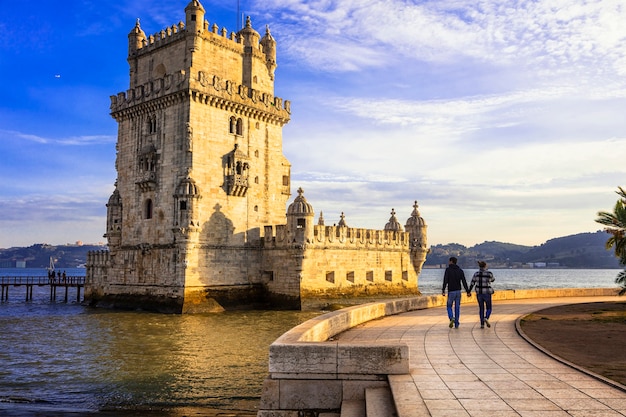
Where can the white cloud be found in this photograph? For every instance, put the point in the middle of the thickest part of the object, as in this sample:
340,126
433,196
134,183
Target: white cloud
9,135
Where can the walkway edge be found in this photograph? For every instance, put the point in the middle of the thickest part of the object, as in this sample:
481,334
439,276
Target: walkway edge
518,328
309,371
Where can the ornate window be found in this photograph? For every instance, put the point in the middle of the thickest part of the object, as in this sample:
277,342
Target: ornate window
147,164
237,172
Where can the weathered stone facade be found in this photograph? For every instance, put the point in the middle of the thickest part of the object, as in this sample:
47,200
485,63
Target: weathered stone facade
197,218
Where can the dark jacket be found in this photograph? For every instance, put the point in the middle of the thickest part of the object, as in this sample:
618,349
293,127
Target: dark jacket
453,278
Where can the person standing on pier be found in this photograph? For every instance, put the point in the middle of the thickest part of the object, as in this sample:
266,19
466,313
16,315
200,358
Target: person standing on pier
453,278
482,280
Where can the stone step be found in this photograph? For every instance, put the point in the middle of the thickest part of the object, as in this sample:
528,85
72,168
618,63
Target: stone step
406,397
353,408
379,402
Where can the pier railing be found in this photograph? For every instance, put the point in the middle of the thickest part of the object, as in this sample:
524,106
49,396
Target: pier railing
66,282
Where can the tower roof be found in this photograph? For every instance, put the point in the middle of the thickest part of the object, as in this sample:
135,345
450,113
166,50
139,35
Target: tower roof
393,223
300,206
250,36
268,35
415,219
187,187
115,199
137,31
194,5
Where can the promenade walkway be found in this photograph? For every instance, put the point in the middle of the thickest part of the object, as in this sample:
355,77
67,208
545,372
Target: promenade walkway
494,371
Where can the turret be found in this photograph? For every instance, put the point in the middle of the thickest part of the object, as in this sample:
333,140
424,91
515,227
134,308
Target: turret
300,217
136,39
250,39
416,226
269,48
393,224
114,220
194,18
250,36
185,207
194,26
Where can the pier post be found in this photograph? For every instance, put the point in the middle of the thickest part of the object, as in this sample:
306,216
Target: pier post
78,293
66,289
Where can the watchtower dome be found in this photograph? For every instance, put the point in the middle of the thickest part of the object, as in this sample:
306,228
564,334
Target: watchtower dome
300,219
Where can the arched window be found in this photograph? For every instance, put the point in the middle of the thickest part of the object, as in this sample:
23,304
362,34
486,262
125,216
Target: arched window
152,124
148,209
233,125
239,127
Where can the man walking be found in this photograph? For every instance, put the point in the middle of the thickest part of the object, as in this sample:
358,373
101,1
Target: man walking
453,278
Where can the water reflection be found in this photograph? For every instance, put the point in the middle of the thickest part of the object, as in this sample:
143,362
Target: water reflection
67,357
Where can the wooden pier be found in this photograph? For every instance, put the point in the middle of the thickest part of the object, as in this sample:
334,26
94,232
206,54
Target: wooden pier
30,282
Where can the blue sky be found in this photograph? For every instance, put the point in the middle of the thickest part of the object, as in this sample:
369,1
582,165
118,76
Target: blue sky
503,119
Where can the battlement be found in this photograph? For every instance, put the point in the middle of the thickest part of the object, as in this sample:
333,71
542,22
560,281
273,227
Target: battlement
176,32
204,87
335,237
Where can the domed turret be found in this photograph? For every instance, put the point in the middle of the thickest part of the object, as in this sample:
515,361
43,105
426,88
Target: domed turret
185,198
342,221
114,219
300,207
417,227
269,48
393,223
194,26
187,188
300,216
194,17
136,39
250,36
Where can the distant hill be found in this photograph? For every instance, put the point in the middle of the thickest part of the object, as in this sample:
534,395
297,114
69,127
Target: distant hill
583,250
38,256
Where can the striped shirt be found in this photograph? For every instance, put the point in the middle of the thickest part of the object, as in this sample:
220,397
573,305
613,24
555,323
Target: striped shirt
482,281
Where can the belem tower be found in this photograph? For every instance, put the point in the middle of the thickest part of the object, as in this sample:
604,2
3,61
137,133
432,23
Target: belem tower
199,220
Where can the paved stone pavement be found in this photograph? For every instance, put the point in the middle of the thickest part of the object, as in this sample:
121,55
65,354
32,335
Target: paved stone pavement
471,371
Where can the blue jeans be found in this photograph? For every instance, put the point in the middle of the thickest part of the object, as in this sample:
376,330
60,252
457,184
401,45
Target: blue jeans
484,306
454,297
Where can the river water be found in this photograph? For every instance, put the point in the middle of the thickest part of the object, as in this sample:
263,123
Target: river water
60,359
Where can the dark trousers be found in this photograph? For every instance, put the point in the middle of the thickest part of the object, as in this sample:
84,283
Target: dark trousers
484,306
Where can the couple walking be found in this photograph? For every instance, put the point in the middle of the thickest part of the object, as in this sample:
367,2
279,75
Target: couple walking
454,277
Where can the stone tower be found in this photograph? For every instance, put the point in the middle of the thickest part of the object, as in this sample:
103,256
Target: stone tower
200,169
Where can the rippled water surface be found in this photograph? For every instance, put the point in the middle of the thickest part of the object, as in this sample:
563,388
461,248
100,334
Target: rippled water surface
58,358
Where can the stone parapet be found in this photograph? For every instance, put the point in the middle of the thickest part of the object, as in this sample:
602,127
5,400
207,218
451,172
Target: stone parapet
339,236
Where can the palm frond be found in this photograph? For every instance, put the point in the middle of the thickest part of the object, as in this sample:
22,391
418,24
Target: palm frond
621,280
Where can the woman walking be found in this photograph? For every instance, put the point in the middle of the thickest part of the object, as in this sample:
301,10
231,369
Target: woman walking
482,280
